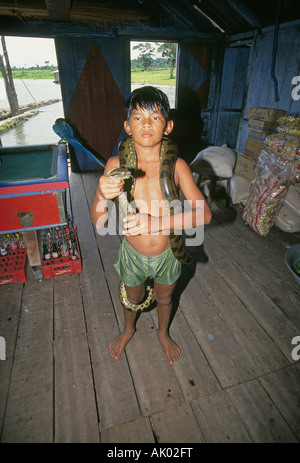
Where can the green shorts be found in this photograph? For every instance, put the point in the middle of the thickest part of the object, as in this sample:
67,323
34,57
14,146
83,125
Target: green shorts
134,268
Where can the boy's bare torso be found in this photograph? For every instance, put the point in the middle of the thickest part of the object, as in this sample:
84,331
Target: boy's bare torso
148,198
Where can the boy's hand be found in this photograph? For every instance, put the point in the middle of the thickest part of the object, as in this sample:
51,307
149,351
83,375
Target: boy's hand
140,224
109,187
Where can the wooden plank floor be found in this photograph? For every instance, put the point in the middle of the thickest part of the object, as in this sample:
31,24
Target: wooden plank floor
234,318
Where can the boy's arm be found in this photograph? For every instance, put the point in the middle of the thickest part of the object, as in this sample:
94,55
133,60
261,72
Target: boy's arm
199,213
108,188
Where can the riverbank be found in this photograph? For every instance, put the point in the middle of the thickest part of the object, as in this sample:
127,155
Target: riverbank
8,120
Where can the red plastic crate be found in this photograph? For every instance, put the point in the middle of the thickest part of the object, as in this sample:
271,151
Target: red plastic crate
12,267
60,266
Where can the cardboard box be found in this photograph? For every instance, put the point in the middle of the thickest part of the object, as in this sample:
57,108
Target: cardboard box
245,168
265,114
253,148
262,126
258,135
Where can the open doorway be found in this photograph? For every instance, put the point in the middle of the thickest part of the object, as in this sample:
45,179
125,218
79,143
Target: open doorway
155,63
33,65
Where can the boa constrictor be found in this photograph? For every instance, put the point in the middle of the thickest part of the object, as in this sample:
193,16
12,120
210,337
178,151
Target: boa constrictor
128,167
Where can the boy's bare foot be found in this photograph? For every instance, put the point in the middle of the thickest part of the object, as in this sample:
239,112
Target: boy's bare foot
117,346
171,349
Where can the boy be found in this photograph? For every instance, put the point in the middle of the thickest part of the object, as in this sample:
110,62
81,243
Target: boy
146,239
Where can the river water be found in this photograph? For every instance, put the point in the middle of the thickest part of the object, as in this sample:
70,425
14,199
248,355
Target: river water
37,129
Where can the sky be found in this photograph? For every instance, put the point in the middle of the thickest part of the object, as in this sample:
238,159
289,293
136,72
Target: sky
27,52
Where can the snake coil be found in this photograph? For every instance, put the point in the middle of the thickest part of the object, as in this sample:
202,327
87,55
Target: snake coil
168,157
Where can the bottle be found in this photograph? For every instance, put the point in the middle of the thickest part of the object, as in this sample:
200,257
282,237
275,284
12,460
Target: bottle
3,250
55,252
46,252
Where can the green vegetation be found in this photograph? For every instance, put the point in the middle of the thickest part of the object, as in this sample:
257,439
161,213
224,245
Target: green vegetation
158,73
7,126
33,73
153,76
148,68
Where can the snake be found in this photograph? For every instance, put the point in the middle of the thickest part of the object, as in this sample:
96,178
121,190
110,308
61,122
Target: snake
127,170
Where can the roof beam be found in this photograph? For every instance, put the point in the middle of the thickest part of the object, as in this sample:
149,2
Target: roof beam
52,29
176,14
245,13
58,10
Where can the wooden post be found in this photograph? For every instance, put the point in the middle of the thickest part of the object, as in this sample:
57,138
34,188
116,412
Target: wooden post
8,80
32,247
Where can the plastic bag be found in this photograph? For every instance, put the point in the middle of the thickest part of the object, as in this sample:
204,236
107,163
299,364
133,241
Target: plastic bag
267,193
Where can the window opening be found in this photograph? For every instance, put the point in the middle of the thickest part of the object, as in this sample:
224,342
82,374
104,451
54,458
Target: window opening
155,63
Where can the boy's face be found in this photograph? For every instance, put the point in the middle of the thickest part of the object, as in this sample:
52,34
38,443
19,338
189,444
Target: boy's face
147,127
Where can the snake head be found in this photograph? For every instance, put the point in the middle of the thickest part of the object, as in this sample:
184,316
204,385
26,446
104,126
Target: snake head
120,173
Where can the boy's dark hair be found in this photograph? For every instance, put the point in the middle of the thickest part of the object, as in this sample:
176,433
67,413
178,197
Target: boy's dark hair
149,98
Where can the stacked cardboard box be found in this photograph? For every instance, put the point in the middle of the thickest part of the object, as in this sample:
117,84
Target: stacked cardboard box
277,170
245,168
261,122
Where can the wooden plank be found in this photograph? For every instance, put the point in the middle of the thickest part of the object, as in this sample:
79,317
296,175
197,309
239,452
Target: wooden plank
138,431
260,415
270,317
108,246
295,369
240,78
266,266
233,78
116,397
222,127
218,420
227,358
284,389
192,369
193,372
156,385
284,50
233,128
11,302
272,279
29,413
32,247
271,249
116,404
263,354
260,77
177,425
75,408
228,77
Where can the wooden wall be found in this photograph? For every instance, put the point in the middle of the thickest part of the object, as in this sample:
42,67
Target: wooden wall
246,82
217,83
95,83
225,125
193,77
261,86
